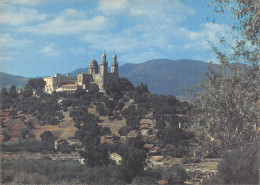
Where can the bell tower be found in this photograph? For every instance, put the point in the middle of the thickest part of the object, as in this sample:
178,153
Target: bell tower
103,72
114,65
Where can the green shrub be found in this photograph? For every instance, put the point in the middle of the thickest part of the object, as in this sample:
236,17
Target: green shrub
123,131
33,169
239,167
174,175
30,144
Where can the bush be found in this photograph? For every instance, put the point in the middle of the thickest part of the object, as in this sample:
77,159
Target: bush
39,171
123,131
174,175
100,108
30,144
179,151
239,167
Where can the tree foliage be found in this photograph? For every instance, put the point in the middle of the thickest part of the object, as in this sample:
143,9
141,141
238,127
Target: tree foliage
237,167
47,139
225,111
36,84
12,92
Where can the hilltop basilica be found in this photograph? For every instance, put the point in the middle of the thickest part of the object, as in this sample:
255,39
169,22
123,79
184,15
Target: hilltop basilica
83,80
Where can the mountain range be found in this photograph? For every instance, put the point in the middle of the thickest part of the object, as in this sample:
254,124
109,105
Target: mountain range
163,76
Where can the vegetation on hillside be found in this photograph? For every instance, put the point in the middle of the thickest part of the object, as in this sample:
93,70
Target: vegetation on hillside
48,109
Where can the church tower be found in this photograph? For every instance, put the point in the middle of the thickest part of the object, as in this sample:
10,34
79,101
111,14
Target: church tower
103,72
114,65
103,65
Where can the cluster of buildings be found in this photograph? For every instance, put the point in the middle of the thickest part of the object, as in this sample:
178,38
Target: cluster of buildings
70,84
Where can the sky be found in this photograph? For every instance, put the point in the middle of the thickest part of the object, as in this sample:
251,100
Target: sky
44,37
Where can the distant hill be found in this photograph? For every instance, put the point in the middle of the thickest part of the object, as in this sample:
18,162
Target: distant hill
7,80
163,76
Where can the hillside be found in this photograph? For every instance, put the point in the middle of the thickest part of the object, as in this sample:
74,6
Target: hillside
7,80
165,76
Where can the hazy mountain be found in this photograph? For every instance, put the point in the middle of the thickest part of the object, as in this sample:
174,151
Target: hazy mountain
163,76
7,80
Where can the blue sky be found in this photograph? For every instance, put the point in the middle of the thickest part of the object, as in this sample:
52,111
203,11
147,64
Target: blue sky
40,38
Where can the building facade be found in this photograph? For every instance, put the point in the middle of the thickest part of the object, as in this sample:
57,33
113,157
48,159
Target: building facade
97,76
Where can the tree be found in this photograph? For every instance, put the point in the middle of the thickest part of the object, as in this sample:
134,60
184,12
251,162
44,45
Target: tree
123,131
226,110
160,124
142,89
175,175
246,25
25,133
237,167
100,108
5,100
36,84
125,84
47,139
246,28
12,92
6,136
4,92
93,89
133,161
171,135
133,120
27,92
120,106
89,132
115,138
105,131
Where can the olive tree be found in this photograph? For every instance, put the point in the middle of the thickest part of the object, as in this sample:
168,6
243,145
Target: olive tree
225,111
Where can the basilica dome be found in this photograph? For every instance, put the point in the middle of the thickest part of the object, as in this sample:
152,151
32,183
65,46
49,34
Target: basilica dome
93,64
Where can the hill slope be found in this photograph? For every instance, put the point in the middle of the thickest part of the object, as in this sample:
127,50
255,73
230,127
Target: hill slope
165,76
7,80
